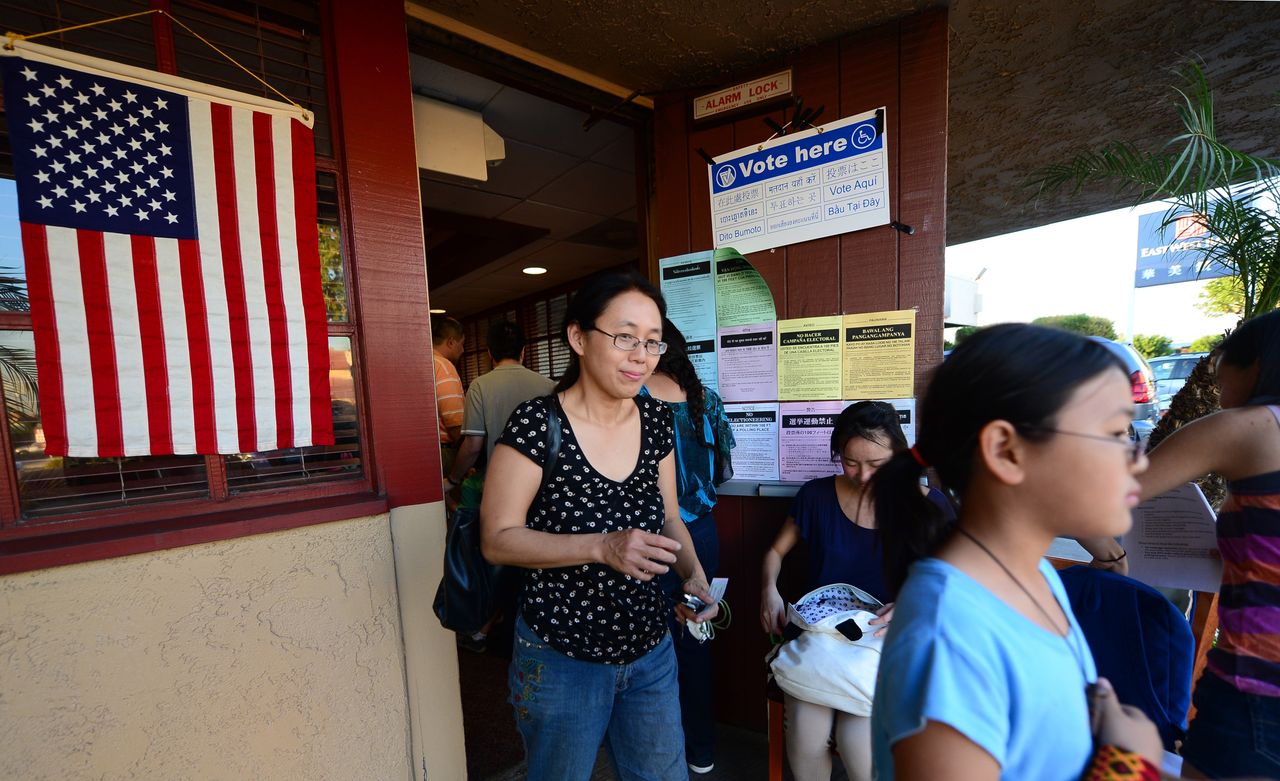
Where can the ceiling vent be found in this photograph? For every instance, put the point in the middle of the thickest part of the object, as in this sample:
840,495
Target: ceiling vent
455,141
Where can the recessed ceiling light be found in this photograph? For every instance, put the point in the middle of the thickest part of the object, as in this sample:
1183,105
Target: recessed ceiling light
436,311
534,270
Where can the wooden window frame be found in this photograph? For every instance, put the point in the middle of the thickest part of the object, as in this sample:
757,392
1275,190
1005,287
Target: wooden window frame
77,537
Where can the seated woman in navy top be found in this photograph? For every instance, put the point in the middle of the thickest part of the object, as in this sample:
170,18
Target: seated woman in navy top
836,517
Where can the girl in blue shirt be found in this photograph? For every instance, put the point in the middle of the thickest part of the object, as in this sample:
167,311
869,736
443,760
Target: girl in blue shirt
984,671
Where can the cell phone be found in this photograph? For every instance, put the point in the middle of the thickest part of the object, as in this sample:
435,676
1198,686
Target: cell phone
718,586
694,604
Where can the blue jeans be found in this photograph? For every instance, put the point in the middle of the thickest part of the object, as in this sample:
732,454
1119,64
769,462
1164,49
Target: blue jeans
697,692
566,707
1233,733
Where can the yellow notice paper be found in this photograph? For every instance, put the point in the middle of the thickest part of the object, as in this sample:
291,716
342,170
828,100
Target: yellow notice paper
879,355
809,359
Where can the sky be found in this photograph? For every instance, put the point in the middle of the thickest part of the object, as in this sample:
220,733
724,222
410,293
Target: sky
1085,265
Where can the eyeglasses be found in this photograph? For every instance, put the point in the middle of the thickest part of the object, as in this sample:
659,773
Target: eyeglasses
1135,448
627,342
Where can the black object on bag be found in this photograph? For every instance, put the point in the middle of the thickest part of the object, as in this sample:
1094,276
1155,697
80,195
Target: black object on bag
468,592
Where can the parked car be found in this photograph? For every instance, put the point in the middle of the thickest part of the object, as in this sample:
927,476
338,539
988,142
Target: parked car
1171,372
1142,379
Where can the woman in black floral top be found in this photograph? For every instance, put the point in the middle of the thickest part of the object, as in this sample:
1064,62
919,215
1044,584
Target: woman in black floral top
593,658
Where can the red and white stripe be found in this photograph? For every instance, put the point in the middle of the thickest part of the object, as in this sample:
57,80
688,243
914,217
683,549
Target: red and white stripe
150,346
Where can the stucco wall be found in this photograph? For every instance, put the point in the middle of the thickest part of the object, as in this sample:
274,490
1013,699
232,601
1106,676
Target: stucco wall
274,656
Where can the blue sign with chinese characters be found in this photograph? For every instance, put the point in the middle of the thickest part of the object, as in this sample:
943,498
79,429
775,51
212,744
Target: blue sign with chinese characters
1174,252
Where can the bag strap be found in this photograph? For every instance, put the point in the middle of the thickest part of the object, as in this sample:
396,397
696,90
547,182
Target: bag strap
553,439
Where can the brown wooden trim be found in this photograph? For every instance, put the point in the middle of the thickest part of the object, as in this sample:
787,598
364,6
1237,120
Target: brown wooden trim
215,467
34,553
162,34
15,321
390,290
646,228
10,500
670,146
922,182
125,518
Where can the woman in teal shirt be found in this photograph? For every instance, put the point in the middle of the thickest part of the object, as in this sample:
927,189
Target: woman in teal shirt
701,432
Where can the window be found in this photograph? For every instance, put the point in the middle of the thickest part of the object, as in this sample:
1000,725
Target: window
541,319
287,51
541,315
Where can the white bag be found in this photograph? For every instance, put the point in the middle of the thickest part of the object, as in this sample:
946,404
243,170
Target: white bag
822,665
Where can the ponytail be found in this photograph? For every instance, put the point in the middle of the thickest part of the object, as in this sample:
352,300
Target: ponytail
919,525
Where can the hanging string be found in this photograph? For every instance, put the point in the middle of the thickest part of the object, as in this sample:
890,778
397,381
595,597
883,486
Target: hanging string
12,37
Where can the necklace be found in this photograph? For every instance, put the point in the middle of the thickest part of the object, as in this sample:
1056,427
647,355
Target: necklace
1016,583
1066,636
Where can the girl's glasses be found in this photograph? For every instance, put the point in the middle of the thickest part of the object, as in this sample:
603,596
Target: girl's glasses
627,342
1134,447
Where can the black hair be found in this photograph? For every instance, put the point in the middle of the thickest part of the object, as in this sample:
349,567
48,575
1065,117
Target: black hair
443,328
1257,340
1023,374
874,421
506,341
590,300
675,363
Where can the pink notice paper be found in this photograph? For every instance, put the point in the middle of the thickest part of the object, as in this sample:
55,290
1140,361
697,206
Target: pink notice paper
804,440
748,362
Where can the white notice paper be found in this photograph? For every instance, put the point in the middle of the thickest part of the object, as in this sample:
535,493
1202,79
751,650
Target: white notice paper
755,429
1174,543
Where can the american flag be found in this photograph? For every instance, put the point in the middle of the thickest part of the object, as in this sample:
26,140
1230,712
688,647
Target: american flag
172,261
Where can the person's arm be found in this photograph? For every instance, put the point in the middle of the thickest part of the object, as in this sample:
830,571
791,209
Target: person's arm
468,454
1215,443
1192,451
693,578
449,400
1107,554
940,751
504,538
773,610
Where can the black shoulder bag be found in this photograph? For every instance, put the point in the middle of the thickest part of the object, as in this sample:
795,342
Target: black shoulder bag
469,591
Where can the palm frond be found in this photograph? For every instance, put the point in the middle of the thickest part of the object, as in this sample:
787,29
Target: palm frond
1234,194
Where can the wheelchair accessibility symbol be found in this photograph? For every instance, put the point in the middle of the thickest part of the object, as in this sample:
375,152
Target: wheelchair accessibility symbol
726,176
863,137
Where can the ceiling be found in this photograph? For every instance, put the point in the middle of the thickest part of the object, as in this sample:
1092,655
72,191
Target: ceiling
1031,81
564,198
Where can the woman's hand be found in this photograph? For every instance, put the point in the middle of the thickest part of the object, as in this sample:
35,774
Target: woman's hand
773,611
1119,566
883,616
638,553
1123,726
1107,554
697,587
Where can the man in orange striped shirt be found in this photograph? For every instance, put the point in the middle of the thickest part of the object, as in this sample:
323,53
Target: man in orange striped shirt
446,349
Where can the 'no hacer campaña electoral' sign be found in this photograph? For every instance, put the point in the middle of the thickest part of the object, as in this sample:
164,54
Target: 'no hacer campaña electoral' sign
794,188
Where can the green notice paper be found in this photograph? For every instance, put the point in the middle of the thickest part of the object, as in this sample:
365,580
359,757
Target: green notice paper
742,297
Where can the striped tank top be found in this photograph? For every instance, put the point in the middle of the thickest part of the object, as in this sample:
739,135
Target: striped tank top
1248,652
